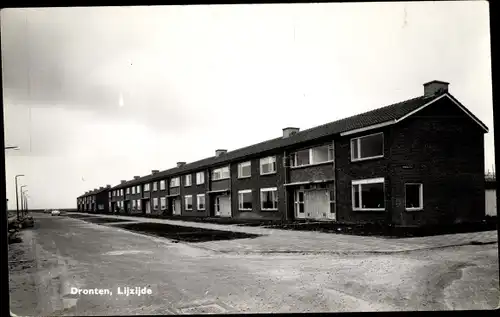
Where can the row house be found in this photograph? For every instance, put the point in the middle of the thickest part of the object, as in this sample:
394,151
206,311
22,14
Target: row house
416,162
95,200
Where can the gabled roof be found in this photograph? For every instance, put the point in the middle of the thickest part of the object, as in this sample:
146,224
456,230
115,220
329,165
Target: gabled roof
380,117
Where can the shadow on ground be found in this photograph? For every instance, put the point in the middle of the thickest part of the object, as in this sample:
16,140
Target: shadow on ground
185,234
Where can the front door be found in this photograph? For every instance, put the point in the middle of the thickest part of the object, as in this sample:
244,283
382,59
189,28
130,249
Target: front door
147,206
299,204
316,203
225,206
176,206
217,206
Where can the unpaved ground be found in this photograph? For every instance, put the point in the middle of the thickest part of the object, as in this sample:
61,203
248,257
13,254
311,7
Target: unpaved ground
185,278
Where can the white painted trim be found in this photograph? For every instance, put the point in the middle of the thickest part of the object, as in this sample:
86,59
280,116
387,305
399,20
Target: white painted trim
269,162
244,164
383,124
420,195
244,191
270,189
368,181
375,126
358,146
185,202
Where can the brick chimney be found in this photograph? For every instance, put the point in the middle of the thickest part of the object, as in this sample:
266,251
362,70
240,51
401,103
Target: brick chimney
101,187
179,164
108,186
435,87
220,152
123,181
137,177
289,131
155,171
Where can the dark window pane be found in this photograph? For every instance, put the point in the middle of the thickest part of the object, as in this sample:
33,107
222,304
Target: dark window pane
412,196
372,145
354,149
302,158
373,195
301,196
356,196
332,207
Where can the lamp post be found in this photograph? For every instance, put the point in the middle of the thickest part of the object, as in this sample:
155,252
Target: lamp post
17,196
22,198
25,201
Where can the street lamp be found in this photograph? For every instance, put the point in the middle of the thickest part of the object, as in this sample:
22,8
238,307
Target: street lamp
17,196
22,198
25,201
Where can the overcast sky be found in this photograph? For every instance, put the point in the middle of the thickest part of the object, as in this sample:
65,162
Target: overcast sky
96,95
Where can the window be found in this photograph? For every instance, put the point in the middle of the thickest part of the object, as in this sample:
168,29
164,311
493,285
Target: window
174,182
133,204
245,199
146,187
133,190
128,191
138,204
109,195
121,192
414,196
155,203
155,186
187,180
163,203
220,173
269,198
370,146
200,178
331,194
138,189
188,202
368,194
299,201
315,155
244,169
200,200
162,185
268,165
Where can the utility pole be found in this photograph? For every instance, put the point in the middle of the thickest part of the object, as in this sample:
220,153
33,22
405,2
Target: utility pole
17,196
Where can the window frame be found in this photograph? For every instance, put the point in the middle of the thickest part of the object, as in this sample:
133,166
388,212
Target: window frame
133,190
177,183
186,183
275,165
155,186
358,147
163,203
202,178
198,201
240,202
420,197
186,203
155,203
127,191
162,182
138,204
244,164
146,187
221,171
138,189
330,149
368,181
269,189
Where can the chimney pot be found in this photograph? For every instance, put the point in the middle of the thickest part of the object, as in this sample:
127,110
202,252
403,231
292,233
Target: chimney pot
220,152
123,181
179,164
287,132
137,177
101,187
155,171
108,186
435,87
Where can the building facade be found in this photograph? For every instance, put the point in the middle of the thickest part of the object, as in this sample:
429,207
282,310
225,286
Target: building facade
95,200
417,162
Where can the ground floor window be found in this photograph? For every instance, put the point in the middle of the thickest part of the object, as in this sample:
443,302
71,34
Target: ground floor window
414,196
163,203
245,199
269,198
189,202
368,194
138,204
155,203
200,200
133,205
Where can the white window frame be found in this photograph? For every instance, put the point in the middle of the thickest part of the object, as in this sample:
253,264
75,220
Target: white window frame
270,160
162,184
379,180
133,205
121,192
310,150
175,181
155,203
138,190
133,190
186,177
163,203
358,147
270,189
155,186
222,170
128,190
421,197
146,187
240,167
138,204
186,203
240,202
200,178
198,201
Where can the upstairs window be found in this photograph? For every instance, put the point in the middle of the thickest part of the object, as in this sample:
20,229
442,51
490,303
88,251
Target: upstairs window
128,190
200,178
268,165
133,190
121,192
138,189
155,186
220,173
146,187
174,182
315,155
187,180
367,147
162,185
244,169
